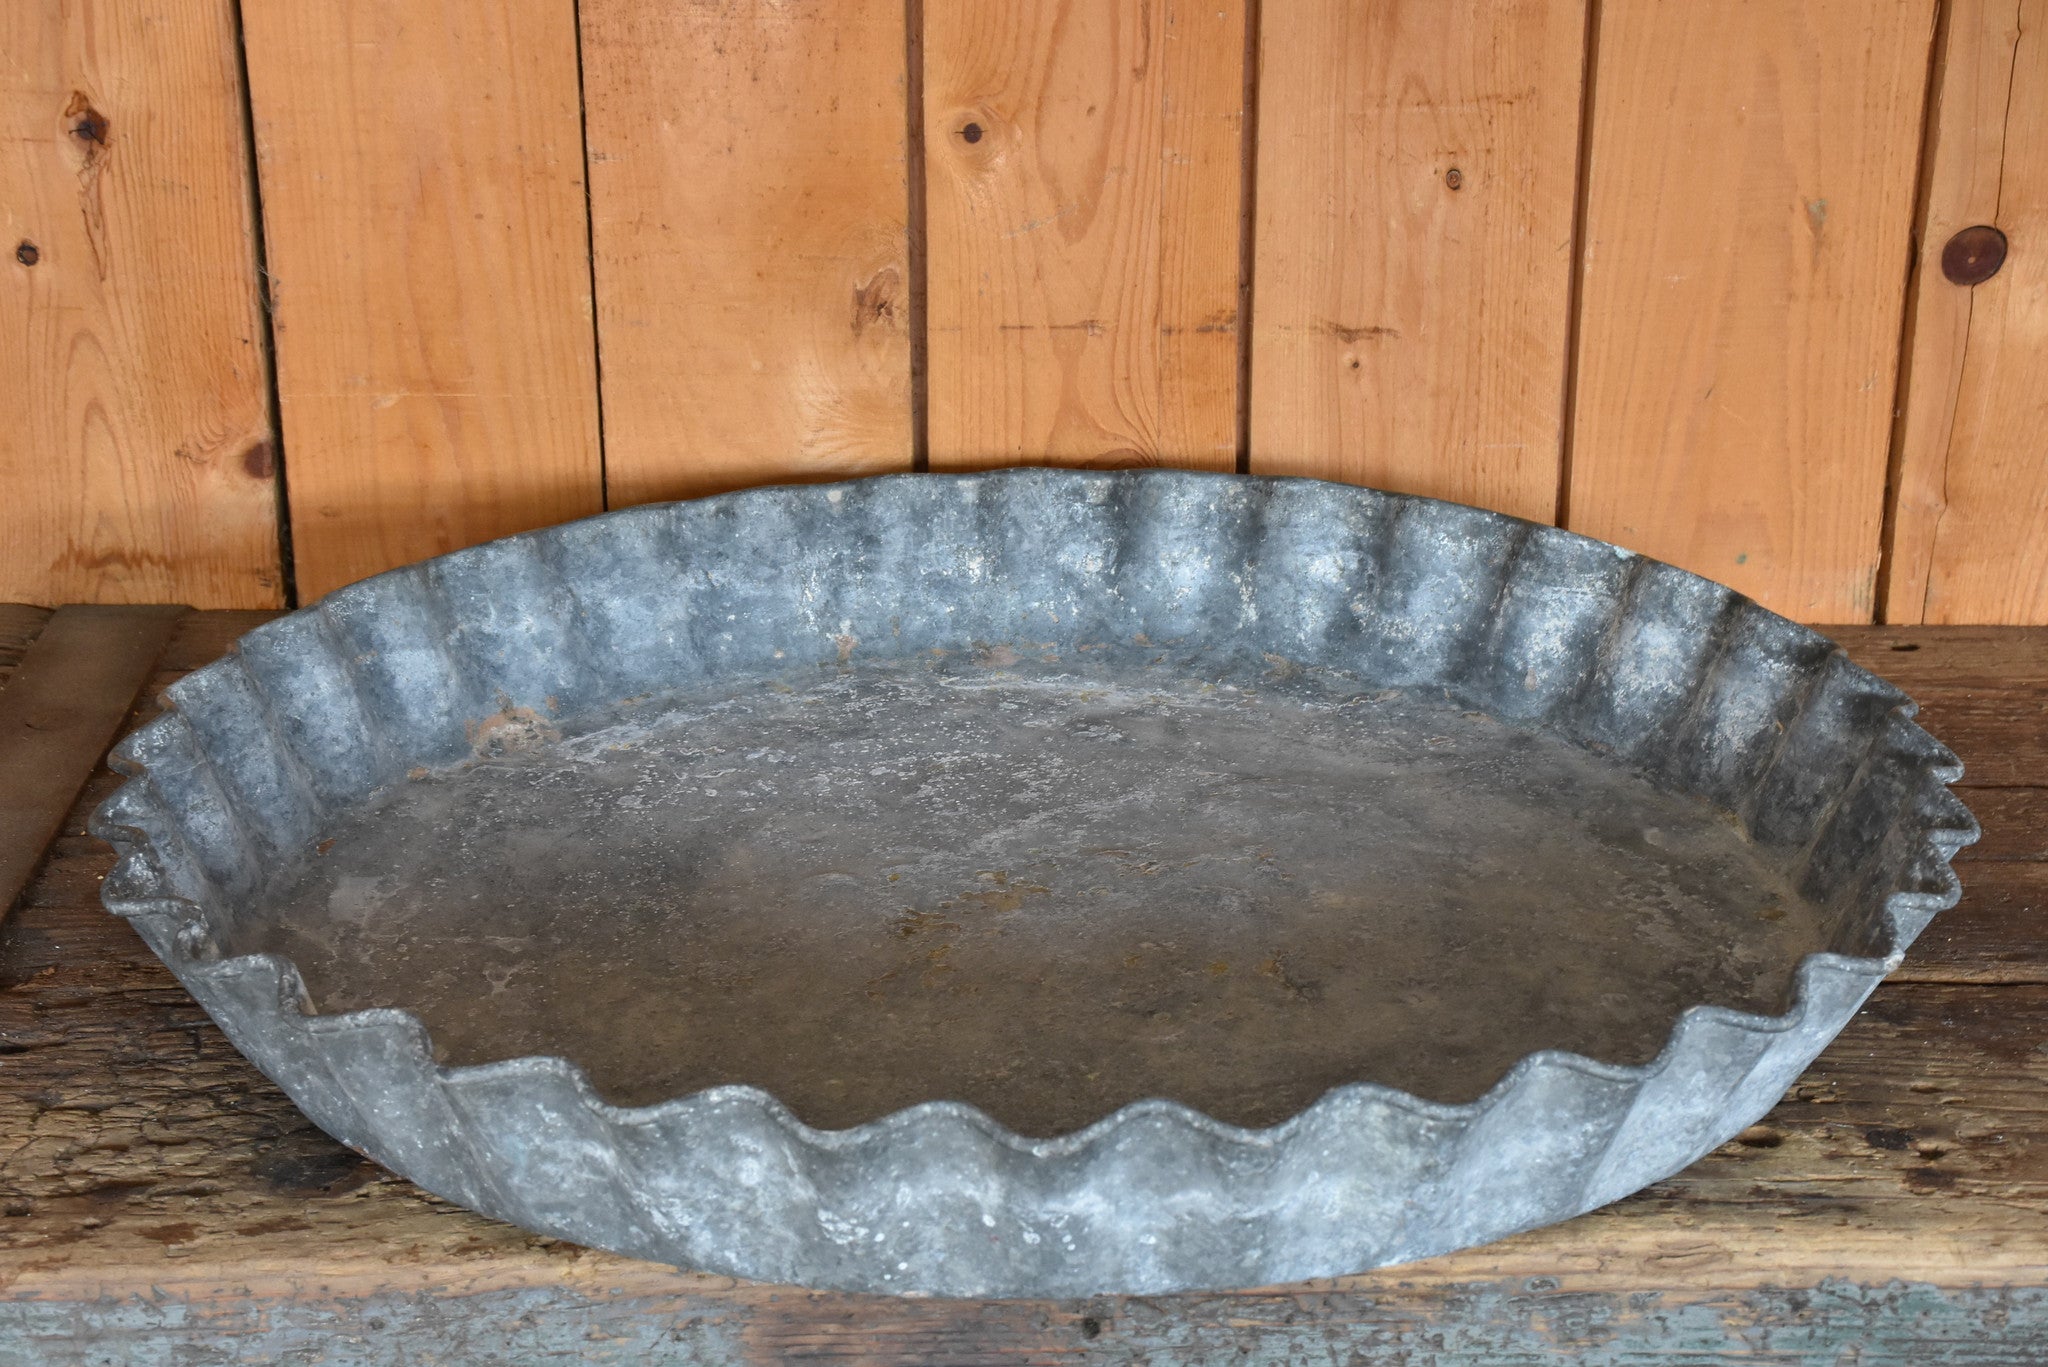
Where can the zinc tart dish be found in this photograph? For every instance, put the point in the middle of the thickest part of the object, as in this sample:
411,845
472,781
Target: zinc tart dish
1036,883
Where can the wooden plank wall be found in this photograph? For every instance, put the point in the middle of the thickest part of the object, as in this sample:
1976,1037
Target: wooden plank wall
423,205
1968,537
136,453
1083,171
1666,270
1749,188
1416,180
749,173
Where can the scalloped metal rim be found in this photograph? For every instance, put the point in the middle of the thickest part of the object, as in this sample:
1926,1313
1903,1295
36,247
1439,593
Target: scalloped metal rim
255,994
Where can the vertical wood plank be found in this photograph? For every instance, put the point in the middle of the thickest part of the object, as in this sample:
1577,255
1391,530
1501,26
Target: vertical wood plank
1416,187
1083,168
1749,205
748,212
1972,487
421,163
135,443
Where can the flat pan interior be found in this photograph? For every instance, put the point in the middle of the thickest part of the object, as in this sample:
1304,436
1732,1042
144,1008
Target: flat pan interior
1041,893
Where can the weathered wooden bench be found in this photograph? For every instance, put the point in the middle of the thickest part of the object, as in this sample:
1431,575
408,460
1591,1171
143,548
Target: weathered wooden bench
160,1202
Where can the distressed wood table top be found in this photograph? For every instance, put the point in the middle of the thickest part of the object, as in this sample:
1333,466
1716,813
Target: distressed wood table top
161,1202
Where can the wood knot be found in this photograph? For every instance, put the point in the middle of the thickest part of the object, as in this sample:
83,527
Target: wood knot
86,124
878,301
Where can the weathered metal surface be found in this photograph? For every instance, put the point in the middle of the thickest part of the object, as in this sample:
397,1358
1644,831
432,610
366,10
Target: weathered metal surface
1359,630
1043,895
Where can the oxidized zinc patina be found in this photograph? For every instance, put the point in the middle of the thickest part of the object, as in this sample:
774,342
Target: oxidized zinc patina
1035,883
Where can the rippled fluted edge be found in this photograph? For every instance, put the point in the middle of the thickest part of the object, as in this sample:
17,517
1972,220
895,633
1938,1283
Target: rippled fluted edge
165,882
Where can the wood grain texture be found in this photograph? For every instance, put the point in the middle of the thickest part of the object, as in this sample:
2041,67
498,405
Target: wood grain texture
1971,488
1749,206
1996,934
424,213
60,712
748,208
1962,165
1951,658
1416,182
1083,168
2015,822
1982,691
20,624
160,1202
135,441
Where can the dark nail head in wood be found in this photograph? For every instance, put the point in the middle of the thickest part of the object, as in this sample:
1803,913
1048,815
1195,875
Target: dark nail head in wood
28,253
1973,255
257,461
1455,178
972,132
